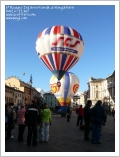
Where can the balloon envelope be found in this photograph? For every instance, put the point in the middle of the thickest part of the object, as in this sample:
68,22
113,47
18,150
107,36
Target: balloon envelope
69,87
59,47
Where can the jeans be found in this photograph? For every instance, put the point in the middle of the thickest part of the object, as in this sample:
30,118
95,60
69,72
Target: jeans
87,130
21,129
9,131
68,118
32,134
79,120
44,131
96,131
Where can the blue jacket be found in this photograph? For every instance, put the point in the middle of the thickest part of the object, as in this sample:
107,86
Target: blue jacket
98,114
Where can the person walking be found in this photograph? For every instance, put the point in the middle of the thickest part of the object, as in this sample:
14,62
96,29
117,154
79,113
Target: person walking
87,120
98,116
21,122
11,120
32,120
46,121
69,112
80,113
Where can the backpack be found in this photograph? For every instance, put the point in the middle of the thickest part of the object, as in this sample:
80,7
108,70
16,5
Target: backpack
12,115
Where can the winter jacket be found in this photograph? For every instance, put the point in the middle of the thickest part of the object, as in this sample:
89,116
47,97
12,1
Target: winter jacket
87,117
32,115
80,111
21,116
98,114
46,115
11,115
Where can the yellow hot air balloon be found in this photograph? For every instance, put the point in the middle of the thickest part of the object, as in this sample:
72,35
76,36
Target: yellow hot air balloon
69,86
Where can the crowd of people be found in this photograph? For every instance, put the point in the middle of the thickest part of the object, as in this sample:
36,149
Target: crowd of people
92,119
32,117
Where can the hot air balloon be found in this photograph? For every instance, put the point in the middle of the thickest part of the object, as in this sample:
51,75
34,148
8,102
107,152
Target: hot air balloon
69,87
59,47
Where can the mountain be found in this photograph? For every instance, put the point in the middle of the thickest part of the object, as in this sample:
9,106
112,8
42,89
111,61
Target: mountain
40,90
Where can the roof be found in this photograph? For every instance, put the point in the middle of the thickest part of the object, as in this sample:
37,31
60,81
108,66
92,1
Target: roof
49,92
100,79
12,88
111,74
27,84
96,79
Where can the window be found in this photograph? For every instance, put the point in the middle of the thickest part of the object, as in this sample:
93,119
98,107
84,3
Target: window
46,97
18,94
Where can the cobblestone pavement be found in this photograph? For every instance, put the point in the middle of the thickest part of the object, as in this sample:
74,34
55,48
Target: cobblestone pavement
65,137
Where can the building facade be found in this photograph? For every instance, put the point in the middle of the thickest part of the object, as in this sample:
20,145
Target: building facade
95,89
13,95
29,91
50,99
110,95
79,99
75,101
102,89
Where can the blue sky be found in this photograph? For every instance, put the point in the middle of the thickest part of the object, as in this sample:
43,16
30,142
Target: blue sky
95,23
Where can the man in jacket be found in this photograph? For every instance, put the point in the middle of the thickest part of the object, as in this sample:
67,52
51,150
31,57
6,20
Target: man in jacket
32,120
46,120
69,112
80,112
87,120
98,119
